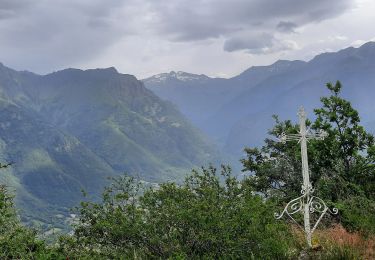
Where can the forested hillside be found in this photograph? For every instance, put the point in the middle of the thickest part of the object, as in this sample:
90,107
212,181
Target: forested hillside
214,214
72,129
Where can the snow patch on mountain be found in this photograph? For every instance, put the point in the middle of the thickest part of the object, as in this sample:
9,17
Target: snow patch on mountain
179,75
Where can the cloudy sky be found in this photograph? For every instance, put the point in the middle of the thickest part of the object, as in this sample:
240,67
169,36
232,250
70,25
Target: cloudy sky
146,37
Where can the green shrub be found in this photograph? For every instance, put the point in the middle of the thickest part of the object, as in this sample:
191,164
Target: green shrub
204,218
358,213
17,241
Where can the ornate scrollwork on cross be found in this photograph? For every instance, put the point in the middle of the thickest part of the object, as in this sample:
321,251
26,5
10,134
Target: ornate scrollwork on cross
297,205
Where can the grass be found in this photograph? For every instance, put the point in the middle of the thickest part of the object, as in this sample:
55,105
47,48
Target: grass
337,243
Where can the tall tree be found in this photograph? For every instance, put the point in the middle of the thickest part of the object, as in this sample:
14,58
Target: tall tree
347,155
341,165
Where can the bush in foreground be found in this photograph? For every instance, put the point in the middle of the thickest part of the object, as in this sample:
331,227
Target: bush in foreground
17,241
206,217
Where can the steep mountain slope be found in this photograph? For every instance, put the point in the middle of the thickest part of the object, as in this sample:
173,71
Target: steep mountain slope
243,112
51,167
255,96
354,67
71,129
184,89
200,98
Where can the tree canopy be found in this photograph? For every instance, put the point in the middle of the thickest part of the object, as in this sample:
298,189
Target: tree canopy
341,166
205,217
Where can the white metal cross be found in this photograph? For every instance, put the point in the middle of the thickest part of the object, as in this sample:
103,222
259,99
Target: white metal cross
307,203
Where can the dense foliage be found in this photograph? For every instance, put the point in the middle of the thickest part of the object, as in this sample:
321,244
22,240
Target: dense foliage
214,215
342,166
17,241
203,218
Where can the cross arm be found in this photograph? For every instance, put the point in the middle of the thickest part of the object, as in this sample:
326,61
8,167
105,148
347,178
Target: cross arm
320,135
290,137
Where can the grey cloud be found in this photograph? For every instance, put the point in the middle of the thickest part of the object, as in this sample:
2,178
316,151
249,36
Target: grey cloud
12,8
49,36
253,42
5,14
258,43
96,8
207,19
203,19
14,5
286,27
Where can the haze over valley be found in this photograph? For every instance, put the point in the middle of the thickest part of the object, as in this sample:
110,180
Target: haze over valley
238,111
72,129
143,129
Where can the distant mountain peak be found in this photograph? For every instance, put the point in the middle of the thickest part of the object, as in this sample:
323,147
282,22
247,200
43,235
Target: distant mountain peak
368,44
173,75
367,48
365,51
266,70
280,65
283,63
109,70
106,71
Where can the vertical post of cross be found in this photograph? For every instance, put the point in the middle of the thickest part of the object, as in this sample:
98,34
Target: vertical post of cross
305,173
306,203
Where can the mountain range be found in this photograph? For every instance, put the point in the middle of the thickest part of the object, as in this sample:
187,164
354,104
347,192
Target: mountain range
237,112
70,130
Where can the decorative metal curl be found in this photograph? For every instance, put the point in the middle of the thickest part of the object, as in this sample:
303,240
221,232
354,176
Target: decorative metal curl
323,134
308,190
294,206
315,205
282,138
